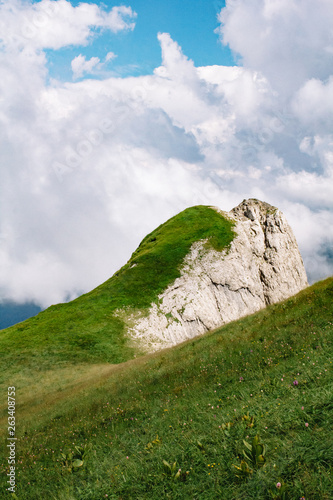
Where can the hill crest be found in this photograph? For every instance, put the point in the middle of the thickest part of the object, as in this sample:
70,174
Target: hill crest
115,322
262,265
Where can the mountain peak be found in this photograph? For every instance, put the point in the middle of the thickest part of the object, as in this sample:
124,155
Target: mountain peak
199,270
253,209
261,265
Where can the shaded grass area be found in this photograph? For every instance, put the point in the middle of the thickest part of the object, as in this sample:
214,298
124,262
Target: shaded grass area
194,405
86,329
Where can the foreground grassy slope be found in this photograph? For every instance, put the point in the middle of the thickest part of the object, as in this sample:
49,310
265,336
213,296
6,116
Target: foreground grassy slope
193,405
86,329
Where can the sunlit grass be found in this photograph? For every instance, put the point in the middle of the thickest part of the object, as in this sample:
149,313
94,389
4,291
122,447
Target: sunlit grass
88,329
192,405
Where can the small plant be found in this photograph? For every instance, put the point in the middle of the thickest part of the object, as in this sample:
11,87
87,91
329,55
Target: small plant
255,452
201,447
280,492
151,445
226,428
74,460
172,472
243,471
249,420
254,455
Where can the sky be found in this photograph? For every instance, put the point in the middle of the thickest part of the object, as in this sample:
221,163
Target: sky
116,116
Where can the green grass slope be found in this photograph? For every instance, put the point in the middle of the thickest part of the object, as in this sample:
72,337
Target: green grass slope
86,329
116,432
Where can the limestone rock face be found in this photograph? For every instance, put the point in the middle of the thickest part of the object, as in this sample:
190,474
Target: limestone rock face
262,266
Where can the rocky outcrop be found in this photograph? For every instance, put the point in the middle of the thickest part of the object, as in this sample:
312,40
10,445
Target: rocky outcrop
262,266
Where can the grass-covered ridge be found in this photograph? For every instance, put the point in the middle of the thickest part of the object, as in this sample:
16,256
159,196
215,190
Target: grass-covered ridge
86,329
269,374
156,262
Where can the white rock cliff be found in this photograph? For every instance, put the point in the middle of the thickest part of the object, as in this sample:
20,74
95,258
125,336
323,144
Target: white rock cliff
262,266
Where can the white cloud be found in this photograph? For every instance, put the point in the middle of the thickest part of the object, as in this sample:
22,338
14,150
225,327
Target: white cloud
119,18
313,104
110,56
89,167
175,64
80,65
289,41
52,24
310,188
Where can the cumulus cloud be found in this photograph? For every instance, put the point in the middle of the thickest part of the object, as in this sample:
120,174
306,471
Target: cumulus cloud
89,167
51,24
287,40
313,104
80,65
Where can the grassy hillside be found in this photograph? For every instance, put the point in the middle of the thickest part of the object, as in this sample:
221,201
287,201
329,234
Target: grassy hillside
107,431
86,330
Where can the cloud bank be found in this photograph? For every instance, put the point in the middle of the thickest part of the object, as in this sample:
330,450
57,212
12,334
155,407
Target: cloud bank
89,168
53,24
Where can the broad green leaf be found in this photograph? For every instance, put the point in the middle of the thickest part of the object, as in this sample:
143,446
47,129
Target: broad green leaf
166,464
248,446
256,440
77,463
259,449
